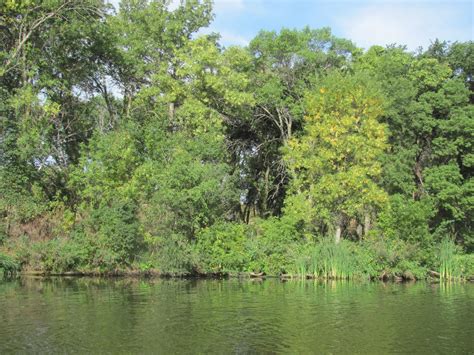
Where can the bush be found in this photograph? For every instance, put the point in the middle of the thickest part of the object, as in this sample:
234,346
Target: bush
171,254
223,248
57,255
407,220
393,257
466,264
110,235
277,243
265,246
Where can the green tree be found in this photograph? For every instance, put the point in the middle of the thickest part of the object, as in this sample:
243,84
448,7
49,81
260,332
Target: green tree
49,53
284,66
334,164
429,116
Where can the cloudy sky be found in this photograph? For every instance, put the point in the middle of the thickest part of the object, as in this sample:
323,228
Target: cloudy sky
412,23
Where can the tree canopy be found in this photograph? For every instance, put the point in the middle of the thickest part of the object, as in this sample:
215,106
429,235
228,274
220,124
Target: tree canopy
129,140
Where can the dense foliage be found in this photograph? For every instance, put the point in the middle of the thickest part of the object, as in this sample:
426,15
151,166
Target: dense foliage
130,142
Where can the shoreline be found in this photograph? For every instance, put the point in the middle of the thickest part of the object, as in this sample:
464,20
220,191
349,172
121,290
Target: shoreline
155,274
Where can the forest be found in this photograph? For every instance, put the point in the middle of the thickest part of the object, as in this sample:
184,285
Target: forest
132,142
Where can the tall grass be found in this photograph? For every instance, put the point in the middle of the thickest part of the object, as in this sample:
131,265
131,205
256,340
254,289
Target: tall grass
8,265
315,261
301,266
449,263
327,260
335,261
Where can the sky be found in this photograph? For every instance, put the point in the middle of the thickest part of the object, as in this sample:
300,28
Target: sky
383,22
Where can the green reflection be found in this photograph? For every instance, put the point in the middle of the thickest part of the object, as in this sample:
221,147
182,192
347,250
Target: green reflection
236,316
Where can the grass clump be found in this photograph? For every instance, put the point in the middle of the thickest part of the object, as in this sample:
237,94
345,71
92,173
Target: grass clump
326,260
8,265
333,261
447,259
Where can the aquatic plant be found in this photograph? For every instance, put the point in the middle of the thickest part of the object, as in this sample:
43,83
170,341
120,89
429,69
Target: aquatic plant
326,260
315,261
449,263
336,260
301,266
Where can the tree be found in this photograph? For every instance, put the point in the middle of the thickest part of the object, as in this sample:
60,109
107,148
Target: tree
334,164
285,65
149,35
429,116
49,51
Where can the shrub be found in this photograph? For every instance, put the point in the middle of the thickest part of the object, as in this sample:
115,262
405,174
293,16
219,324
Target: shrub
171,254
466,264
58,255
110,234
278,242
407,220
384,257
223,248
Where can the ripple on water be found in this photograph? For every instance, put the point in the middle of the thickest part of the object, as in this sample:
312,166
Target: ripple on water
215,316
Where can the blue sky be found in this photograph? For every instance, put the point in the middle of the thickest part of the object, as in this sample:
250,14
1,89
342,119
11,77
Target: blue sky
412,23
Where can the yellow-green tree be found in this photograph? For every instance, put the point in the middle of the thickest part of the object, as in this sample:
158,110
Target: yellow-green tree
335,164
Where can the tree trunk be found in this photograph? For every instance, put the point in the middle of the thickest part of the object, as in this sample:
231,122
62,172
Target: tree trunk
337,237
171,112
366,223
110,109
266,192
127,102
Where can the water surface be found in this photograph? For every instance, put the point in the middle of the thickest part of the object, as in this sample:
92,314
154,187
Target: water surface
51,315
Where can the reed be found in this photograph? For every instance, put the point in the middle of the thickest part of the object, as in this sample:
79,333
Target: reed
449,266
327,260
301,267
314,265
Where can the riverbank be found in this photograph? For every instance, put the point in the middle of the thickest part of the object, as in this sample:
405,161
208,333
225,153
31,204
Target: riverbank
432,276
370,259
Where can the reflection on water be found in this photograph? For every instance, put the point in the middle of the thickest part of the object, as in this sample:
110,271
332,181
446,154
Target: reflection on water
232,316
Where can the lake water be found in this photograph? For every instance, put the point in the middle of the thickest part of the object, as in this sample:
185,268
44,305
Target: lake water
59,315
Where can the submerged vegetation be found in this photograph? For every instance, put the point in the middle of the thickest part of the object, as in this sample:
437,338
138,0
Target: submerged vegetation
129,142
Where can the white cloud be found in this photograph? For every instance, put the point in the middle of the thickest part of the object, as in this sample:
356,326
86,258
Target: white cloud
228,39
404,23
174,5
220,6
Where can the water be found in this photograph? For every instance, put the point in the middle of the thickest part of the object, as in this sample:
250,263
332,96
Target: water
85,315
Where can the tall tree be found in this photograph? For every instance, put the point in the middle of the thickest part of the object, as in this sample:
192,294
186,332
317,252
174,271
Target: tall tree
49,51
285,65
429,115
335,164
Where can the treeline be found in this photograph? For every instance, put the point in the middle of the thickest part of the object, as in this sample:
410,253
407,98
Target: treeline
131,142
